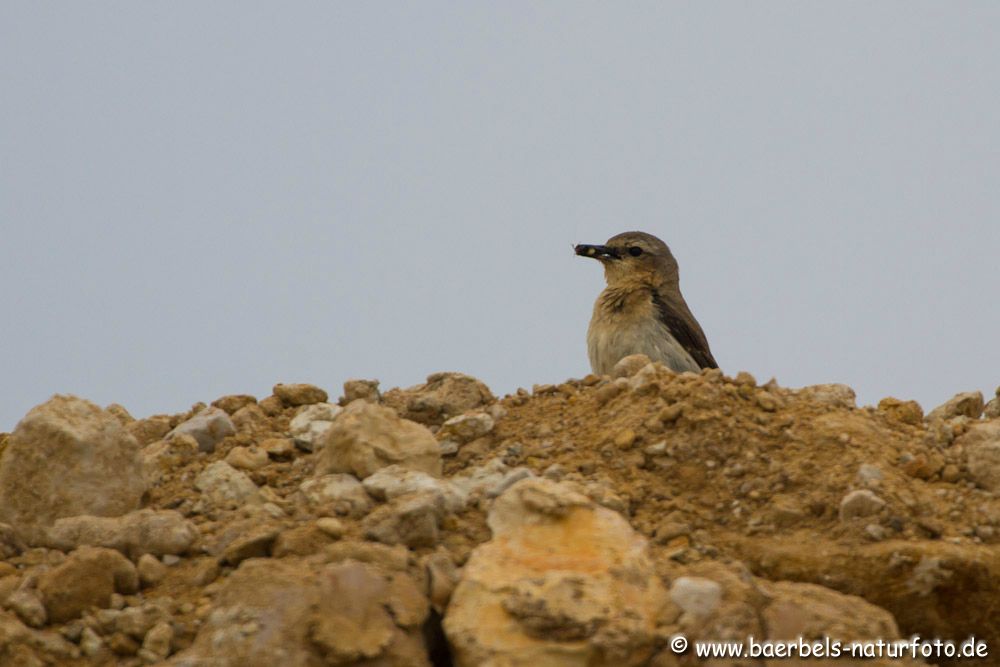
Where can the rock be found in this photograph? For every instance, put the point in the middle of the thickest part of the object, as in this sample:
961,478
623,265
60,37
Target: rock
951,473
906,412
10,543
442,397
562,582
992,409
337,494
277,613
394,481
21,646
149,430
157,642
208,427
806,610
833,395
696,596
151,570
365,390
68,457
366,437
157,532
165,455
630,365
876,532
122,645
860,503
120,413
981,444
442,578
247,458
279,449
226,487
234,402
924,466
256,544
390,558
869,475
625,439
272,406
310,425
28,607
330,526
467,427
968,404
411,520
86,579
251,419
490,479
302,541
137,621
295,395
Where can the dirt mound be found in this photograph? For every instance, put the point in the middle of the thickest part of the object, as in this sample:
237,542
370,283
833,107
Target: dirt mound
583,523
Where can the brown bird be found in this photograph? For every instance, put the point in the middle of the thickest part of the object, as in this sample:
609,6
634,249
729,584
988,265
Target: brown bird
641,311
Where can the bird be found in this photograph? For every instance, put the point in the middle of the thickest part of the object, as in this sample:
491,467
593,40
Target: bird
642,311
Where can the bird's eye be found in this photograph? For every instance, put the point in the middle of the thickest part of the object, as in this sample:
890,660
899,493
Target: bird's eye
635,251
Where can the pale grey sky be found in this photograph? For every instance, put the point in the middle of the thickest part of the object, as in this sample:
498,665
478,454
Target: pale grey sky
207,198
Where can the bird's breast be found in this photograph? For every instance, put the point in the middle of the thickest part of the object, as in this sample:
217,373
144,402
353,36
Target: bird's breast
624,324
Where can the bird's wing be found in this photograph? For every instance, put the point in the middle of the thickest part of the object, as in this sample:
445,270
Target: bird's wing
682,326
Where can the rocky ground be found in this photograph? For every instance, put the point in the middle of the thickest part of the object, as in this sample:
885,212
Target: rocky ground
584,523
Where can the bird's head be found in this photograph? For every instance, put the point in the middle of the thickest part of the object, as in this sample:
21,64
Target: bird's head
633,258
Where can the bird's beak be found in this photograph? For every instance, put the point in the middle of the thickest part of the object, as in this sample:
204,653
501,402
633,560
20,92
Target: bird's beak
600,252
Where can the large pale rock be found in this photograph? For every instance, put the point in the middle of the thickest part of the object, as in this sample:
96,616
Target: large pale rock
366,437
157,532
226,487
86,579
467,427
394,481
697,596
208,428
490,479
336,495
442,397
834,395
69,457
967,404
981,444
272,612
311,423
562,582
